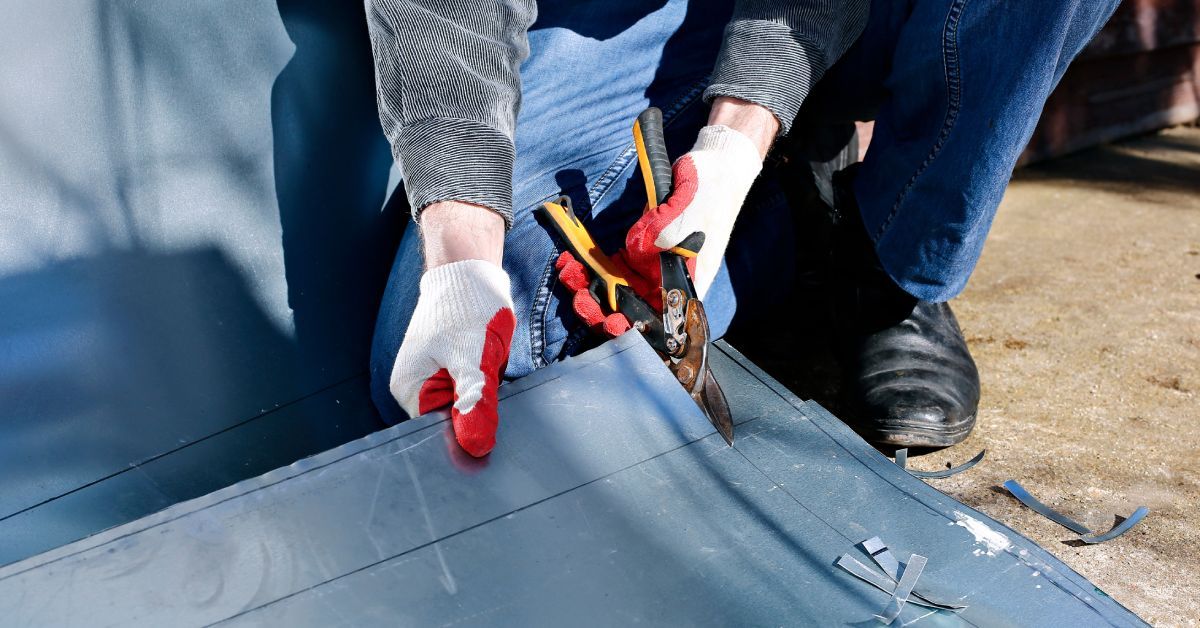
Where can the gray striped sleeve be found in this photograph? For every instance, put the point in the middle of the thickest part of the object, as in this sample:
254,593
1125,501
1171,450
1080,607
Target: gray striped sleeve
776,50
448,88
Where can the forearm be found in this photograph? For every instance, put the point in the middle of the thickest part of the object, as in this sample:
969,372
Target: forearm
752,120
453,231
776,50
448,88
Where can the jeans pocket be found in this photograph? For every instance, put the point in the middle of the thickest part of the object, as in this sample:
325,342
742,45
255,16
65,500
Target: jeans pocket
628,155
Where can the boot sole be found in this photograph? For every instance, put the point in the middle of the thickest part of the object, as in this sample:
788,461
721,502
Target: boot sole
917,436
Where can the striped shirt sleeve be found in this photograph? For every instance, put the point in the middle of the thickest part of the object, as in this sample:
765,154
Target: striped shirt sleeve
776,50
448,89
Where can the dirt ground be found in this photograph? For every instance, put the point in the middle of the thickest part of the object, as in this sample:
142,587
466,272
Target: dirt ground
1084,318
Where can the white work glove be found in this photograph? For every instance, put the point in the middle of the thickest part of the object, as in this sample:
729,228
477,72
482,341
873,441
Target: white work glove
456,349
710,185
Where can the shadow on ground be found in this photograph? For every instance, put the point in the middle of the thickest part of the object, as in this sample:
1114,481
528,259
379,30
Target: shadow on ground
1158,162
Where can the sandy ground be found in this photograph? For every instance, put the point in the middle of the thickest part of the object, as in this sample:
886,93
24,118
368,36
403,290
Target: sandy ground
1084,318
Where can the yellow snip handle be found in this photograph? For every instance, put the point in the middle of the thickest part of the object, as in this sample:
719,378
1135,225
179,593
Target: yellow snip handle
562,218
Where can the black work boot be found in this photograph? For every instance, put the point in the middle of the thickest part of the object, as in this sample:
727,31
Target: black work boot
909,378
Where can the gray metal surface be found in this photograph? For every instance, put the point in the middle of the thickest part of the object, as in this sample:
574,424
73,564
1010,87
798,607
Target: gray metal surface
609,500
192,246
192,250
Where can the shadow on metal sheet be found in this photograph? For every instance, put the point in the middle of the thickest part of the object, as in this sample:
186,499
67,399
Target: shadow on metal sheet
193,244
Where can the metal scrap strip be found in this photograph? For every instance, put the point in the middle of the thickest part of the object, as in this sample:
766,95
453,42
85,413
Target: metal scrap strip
1119,529
908,580
887,562
882,557
1085,534
945,473
901,457
865,573
873,578
1024,497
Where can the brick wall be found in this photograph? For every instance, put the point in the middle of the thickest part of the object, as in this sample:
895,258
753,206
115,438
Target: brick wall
1141,73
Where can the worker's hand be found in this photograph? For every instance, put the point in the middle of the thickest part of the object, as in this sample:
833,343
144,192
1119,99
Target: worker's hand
710,184
576,279
456,349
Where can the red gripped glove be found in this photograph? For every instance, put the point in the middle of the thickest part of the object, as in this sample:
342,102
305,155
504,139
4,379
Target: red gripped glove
710,185
456,349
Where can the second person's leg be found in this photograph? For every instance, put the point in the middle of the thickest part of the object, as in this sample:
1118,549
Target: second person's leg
959,86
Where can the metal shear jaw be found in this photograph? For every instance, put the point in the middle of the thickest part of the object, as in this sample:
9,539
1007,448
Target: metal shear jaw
690,367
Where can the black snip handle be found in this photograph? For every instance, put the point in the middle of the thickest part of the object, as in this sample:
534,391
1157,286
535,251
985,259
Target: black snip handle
652,153
656,170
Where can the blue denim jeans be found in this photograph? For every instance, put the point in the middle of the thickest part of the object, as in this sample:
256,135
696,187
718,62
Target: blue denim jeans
955,87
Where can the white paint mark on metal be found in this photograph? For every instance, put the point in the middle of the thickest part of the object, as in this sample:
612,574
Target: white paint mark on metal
994,541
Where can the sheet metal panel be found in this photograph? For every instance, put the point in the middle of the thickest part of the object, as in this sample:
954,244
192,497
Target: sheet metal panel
191,238
196,468
596,508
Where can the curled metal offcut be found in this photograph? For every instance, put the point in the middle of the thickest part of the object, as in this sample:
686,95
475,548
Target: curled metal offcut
857,569
1085,533
902,462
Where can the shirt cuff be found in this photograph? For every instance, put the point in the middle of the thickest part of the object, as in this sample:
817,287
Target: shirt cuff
769,64
452,159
